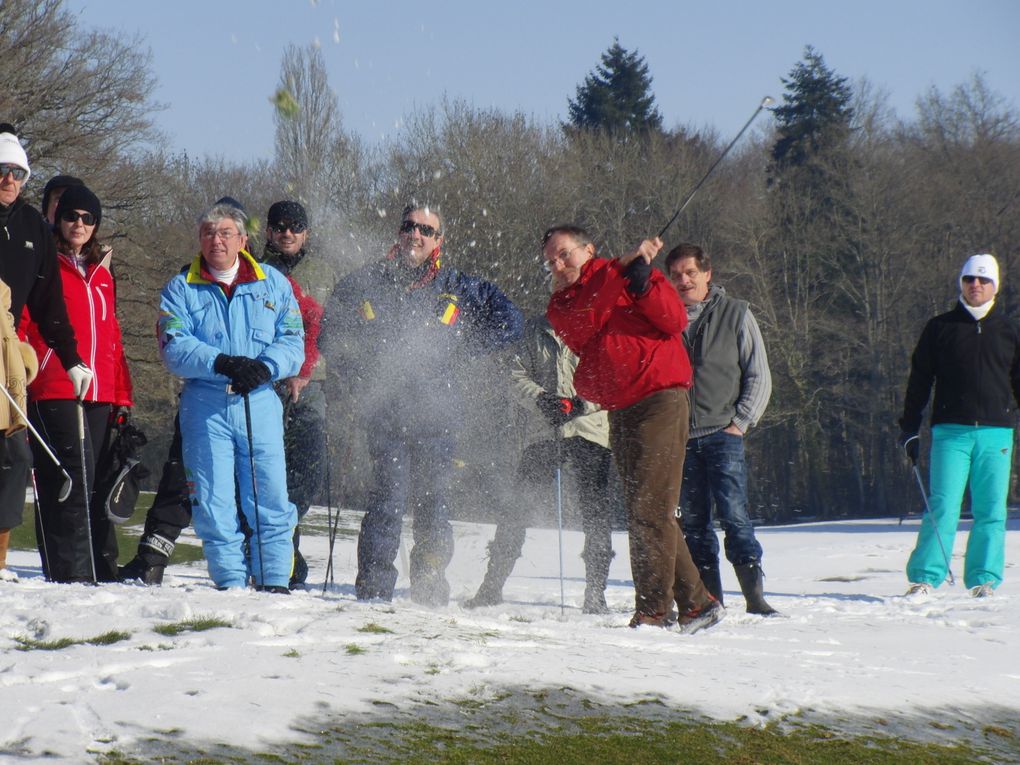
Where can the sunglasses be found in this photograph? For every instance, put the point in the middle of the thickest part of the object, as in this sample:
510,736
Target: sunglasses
72,216
295,228
983,279
18,173
423,228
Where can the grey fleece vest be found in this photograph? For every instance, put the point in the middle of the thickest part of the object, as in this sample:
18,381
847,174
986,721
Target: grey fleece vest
711,342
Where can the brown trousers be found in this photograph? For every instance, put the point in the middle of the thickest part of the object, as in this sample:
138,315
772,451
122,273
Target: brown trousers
649,440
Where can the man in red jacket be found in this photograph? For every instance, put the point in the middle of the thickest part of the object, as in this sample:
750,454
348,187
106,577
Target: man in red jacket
624,320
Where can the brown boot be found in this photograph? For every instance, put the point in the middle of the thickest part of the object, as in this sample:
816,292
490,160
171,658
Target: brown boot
6,575
752,584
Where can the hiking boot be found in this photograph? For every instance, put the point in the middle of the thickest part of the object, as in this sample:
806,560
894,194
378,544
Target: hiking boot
981,591
701,618
6,575
273,589
144,568
752,584
918,591
662,621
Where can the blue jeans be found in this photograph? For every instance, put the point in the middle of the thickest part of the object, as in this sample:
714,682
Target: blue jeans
714,471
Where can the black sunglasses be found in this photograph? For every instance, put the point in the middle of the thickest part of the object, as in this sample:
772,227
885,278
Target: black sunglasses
423,228
16,172
295,228
72,216
982,279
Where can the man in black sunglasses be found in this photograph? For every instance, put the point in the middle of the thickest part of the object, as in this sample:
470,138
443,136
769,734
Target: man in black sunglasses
28,265
398,334
304,401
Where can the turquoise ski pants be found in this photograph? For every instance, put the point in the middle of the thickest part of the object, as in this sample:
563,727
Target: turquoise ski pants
960,455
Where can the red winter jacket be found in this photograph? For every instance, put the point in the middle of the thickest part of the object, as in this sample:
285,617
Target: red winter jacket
91,308
629,347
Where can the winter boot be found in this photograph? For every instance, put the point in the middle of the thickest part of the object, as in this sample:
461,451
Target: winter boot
147,567
6,575
752,584
490,592
701,618
300,573
596,576
712,580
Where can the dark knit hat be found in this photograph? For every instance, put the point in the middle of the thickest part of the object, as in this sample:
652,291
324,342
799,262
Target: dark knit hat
79,198
58,182
231,202
287,212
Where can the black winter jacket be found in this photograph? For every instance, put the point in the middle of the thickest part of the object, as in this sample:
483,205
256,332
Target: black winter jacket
975,366
28,264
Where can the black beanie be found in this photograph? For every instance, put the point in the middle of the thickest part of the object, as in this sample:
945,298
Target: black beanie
58,182
79,198
287,212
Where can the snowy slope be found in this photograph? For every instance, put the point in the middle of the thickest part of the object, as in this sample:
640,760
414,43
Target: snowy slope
850,649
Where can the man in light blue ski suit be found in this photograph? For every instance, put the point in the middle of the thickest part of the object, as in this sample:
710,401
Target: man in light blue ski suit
230,327
972,356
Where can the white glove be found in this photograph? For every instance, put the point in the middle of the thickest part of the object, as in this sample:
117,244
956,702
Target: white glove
81,379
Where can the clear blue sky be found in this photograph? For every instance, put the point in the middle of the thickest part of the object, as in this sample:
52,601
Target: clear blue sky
218,61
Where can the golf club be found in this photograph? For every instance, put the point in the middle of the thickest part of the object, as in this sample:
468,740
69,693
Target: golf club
764,103
65,490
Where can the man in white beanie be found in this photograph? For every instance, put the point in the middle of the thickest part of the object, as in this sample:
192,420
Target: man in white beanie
28,265
972,356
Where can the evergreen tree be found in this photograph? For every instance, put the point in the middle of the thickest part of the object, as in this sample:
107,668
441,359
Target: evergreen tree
815,114
617,96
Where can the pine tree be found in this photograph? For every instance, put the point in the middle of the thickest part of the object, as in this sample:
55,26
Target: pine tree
815,114
617,96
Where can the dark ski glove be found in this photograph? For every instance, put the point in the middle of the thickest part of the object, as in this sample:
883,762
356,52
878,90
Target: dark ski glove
559,410
245,374
911,445
638,273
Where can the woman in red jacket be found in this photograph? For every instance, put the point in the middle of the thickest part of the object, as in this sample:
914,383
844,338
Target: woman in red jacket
75,545
624,321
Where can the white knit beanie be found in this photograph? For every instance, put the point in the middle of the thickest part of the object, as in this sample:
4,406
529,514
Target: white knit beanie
12,153
981,265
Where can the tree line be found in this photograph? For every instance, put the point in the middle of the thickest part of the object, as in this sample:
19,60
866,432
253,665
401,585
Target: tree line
842,224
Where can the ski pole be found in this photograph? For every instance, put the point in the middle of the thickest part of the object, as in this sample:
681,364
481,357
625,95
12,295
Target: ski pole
931,517
85,488
328,578
559,513
65,489
254,486
40,528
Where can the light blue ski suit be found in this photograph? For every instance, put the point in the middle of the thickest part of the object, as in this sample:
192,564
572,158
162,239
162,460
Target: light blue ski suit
261,320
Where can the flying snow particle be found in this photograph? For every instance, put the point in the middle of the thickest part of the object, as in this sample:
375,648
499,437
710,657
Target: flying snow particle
336,31
381,212
315,43
485,213
437,175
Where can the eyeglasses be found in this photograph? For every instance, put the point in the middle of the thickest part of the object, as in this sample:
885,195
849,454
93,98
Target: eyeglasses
983,279
73,216
423,228
295,228
225,235
16,172
560,257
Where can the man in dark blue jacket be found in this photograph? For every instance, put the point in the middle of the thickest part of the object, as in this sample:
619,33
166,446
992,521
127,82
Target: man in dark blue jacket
396,334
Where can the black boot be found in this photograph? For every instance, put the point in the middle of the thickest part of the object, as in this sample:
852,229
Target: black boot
146,567
752,584
712,581
596,576
300,573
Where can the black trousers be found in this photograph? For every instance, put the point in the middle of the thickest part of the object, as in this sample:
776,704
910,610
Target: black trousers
71,540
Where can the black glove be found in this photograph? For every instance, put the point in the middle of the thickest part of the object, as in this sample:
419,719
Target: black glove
911,445
638,273
245,374
557,409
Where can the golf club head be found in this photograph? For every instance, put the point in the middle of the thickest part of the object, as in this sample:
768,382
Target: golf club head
65,490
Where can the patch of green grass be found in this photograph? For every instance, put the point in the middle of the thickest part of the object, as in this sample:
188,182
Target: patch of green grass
197,624
375,629
292,654
31,644
353,649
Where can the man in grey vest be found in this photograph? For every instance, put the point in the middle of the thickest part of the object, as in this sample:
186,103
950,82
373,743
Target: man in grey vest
732,385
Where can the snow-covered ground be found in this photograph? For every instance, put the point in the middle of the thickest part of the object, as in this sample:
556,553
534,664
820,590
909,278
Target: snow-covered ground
849,651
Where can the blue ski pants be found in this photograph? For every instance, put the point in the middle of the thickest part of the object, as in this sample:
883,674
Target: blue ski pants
963,455
215,441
